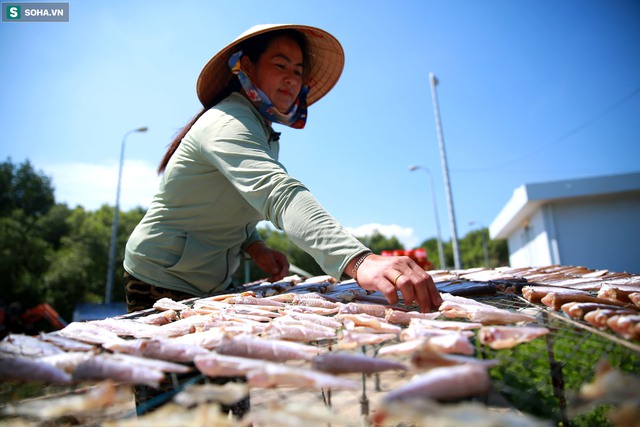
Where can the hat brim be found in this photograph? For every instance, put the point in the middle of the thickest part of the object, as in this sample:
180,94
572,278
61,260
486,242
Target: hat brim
325,53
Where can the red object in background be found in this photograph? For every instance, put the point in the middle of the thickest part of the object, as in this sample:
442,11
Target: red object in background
419,255
46,312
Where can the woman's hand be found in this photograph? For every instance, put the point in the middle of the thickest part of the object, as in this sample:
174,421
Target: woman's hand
390,274
272,262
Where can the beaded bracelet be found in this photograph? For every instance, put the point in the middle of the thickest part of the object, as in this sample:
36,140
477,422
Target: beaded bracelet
354,272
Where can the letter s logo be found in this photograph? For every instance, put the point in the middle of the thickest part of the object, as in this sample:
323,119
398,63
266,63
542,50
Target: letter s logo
14,12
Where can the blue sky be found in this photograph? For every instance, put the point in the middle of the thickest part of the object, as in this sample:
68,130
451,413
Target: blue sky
530,91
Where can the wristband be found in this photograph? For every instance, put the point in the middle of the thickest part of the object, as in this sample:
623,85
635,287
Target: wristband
354,272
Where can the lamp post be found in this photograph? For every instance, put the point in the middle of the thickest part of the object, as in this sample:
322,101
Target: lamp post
445,171
114,225
484,242
435,212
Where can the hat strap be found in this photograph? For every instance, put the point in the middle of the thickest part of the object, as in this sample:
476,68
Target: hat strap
296,117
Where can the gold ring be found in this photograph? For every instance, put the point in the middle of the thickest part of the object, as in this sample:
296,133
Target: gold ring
396,279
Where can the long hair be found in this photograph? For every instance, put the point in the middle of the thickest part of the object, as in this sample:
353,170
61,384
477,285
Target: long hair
253,48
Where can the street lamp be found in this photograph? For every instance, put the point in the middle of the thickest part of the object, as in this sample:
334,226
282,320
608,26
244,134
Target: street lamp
445,171
114,225
435,212
484,242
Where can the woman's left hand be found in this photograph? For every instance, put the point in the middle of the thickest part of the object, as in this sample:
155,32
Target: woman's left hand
269,260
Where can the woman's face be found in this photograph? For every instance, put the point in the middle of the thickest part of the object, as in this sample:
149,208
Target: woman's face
278,72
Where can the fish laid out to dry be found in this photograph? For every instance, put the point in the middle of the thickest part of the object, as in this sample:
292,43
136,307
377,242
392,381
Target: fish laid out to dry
88,333
501,337
427,356
126,327
578,310
66,344
535,293
445,383
403,318
300,333
344,363
158,319
168,304
103,367
618,292
555,301
627,326
352,339
446,341
635,298
226,394
20,345
460,307
370,309
219,365
274,375
367,323
611,385
160,348
266,349
31,370
327,321
600,316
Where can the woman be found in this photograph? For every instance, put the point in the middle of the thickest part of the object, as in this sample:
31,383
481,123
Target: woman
221,176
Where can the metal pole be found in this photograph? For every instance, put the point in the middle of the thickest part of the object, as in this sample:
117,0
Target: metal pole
114,225
445,171
435,213
485,249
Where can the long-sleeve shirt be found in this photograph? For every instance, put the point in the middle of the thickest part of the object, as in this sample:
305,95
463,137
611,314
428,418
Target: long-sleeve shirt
222,180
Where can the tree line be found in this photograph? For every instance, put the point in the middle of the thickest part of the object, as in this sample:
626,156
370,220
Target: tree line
57,254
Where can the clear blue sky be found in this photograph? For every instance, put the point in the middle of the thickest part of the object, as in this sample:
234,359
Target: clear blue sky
530,91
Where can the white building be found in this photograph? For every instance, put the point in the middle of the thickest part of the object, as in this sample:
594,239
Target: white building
589,222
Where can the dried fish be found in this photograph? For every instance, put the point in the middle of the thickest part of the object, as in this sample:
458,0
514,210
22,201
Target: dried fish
103,367
329,322
627,326
219,365
273,375
67,361
445,383
358,308
611,385
427,356
618,293
535,293
158,319
460,307
125,327
66,344
368,323
447,341
88,333
578,310
266,349
635,298
90,401
555,300
301,333
599,317
501,337
352,339
197,394
398,317
31,370
169,304
27,346
344,363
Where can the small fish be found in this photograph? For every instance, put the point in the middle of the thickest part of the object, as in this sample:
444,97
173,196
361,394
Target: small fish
398,317
301,333
445,383
266,349
102,367
343,363
357,308
30,370
168,304
274,375
219,365
20,345
501,337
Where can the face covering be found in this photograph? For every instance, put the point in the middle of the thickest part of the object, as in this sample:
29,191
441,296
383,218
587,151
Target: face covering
296,117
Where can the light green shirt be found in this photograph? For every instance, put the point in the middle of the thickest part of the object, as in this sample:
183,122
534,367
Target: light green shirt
222,180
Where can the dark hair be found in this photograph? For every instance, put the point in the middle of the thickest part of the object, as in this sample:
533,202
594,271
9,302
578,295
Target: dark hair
253,48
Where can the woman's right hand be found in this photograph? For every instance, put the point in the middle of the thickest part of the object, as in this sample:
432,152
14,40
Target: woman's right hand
390,274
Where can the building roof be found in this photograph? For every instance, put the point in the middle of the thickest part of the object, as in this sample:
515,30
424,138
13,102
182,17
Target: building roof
527,198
